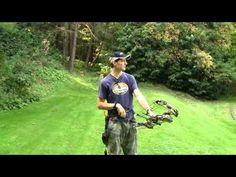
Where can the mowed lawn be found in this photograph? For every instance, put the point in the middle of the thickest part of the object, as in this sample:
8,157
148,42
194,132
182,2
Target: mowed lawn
68,122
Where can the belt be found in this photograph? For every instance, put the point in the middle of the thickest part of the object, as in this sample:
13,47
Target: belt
117,118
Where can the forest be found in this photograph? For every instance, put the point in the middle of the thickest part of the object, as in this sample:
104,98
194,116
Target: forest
194,61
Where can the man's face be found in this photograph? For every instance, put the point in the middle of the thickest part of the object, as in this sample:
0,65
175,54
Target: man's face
120,64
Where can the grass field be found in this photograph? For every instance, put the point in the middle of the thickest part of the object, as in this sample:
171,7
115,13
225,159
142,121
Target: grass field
68,122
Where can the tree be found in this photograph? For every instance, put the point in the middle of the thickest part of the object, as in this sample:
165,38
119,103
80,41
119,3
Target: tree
65,41
73,46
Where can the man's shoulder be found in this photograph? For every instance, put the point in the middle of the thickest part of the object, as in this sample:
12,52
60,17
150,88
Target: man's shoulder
106,78
128,75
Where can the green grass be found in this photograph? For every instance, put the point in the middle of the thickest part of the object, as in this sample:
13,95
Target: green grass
68,122
203,127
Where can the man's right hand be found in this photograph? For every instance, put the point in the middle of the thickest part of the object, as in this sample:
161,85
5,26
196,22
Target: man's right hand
121,111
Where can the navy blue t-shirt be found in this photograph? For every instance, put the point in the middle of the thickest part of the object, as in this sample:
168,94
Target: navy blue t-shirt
118,91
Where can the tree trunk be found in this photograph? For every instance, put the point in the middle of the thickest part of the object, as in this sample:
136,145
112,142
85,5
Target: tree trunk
71,37
65,43
73,48
89,54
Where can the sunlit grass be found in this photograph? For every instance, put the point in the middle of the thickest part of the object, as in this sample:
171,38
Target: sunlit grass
68,122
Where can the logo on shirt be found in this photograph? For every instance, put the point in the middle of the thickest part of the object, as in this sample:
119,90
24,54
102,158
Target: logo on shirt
120,88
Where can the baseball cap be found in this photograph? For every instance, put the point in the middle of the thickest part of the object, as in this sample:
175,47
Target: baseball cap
117,55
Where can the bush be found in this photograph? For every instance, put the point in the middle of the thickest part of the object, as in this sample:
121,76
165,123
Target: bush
29,65
190,57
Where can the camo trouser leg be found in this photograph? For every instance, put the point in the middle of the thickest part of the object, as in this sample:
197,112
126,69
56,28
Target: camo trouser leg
130,142
122,138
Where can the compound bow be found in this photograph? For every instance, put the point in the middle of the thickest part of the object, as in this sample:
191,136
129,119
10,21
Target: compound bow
151,121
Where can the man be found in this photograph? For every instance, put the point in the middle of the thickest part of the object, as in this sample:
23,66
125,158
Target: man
116,92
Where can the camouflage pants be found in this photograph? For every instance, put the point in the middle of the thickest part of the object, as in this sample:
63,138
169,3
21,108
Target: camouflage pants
122,138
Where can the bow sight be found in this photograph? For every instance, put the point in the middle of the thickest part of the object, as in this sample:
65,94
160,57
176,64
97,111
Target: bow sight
151,120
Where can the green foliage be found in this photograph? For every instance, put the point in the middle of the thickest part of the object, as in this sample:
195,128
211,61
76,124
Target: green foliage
29,66
3,65
22,43
79,64
104,69
28,84
8,26
198,58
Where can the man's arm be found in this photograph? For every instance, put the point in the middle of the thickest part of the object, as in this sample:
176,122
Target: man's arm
101,104
143,102
141,99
